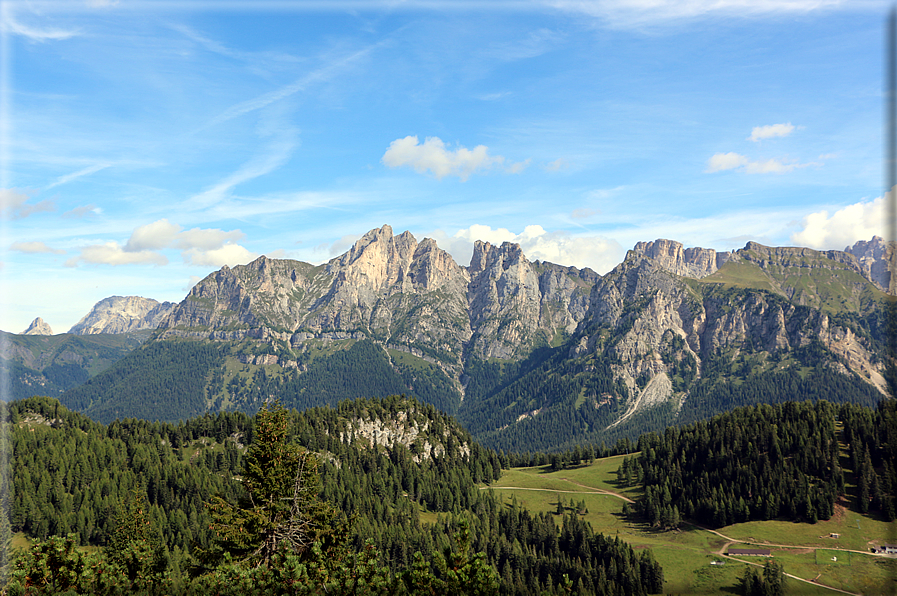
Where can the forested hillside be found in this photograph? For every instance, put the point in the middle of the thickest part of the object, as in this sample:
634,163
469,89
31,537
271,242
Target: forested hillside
398,472
767,462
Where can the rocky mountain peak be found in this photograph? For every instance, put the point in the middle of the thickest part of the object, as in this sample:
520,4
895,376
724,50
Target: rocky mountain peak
121,314
38,327
672,256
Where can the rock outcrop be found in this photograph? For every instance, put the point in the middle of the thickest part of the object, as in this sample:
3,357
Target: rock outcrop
122,314
687,262
873,259
38,327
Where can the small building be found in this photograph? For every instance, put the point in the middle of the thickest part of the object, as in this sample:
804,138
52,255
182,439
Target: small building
888,549
833,535
749,552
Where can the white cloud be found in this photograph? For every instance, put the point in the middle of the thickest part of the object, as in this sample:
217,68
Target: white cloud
731,161
112,253
844,227
229,254
208,239
433,156
725,161
152,236
14,204
198,247
596,252
34,248
770,131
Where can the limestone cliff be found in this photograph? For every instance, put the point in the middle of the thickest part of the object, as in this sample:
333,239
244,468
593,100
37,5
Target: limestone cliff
687,262
406,295
122,314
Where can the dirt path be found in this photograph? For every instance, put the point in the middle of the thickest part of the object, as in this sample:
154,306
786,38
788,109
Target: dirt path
591,490
734,540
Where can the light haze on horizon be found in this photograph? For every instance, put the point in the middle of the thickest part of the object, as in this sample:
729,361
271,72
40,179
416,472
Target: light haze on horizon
146,144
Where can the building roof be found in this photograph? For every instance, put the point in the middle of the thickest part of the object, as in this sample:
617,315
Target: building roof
749,551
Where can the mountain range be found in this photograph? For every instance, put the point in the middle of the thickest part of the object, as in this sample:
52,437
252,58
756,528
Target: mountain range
527,354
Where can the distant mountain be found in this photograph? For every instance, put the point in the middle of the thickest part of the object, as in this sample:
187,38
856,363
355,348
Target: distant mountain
528,355
122,314
38,327
50,364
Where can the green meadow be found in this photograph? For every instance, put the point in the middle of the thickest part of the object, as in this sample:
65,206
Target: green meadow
807,551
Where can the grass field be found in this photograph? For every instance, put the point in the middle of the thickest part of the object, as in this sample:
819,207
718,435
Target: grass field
686,554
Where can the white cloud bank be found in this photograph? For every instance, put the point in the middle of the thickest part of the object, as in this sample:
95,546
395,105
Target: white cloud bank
842,228
758,133
596,252
433,156
203,247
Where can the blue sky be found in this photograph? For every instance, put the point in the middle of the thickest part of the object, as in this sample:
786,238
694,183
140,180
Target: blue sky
146,144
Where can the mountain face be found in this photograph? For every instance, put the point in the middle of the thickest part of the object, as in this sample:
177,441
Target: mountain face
38,327
527,354
122,314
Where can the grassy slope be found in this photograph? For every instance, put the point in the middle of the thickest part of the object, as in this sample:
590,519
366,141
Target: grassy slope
686,554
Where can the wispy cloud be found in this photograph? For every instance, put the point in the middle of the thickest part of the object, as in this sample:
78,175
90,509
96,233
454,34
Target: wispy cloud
277,153
433,156
84,172
82,211
770,131
12,25
641,13
14,204
321,74
34,248
720,162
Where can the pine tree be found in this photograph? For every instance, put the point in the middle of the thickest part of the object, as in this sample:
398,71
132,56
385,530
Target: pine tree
282,505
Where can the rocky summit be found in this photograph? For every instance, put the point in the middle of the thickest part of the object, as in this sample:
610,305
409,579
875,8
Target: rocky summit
38,327
122,314
514,346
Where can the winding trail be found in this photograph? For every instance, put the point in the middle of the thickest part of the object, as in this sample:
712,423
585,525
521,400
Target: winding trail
590,490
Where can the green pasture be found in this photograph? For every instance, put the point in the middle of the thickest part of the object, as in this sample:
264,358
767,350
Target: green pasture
600,475
687,553
856,532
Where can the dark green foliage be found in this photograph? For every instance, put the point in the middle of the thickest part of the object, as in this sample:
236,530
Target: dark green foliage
753,463
364,370
769,582
75,475
872,439
281,508
174,391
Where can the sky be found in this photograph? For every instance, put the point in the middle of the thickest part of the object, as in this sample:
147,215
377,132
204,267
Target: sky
146,144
